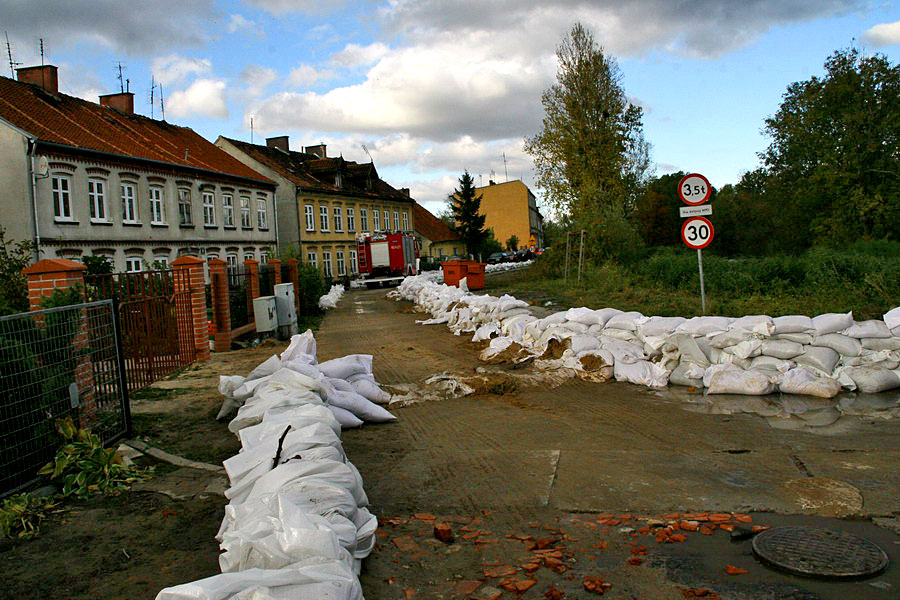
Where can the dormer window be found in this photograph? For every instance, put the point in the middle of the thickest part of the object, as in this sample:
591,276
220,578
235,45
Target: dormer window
337,180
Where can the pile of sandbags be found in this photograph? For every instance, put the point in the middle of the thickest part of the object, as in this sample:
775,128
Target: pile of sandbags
331,299
296,525
750,355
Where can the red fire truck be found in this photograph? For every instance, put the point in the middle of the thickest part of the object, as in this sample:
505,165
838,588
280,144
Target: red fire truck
386,258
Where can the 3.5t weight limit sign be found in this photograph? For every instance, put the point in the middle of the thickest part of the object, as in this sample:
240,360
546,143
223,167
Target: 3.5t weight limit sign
697,233
694,189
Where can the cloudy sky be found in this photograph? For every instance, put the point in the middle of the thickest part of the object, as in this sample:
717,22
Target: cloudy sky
433,87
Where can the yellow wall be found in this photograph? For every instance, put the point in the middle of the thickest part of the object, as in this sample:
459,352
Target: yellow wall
506,210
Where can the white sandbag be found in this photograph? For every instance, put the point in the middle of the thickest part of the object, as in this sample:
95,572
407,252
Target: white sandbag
782,349
772,362
579,344
252,412
629,321
248,388
556,318
641,372
360,406
818,357
759,324
659,326
692,350
883,359
872,380
229,383
513,312
331,299
366,525
892,343
746,349
832,322
318,578
804,382
729,358
732,337
622,351
283,477
583,315
297,417
717,368
686,374
346,418
486,332
842,344
708,326
344,367
739,381
371,390
619,334
265,368
301,347
804,339
575,327
892,318
874,328
793,324
507,302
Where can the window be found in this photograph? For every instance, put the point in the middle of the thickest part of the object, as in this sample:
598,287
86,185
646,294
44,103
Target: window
157,206
342,268
228,212
129,207
245,212
405,221
338,222
323,218
62,197
396,220
231,259
184,207
310,219
97,200
441,252
262,217
209,209
249,256
354,263
326,263
387,220
312,258
364,219
161,262
376,220
351,220
133,264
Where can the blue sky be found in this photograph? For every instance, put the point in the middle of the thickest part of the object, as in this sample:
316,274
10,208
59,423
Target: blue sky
433,87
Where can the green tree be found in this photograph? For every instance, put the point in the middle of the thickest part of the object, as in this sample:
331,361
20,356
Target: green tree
656,215
97,265
590,155
512,244
464,204
14,256
834,159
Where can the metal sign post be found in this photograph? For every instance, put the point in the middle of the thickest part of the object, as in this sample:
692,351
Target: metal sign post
702,288
697,231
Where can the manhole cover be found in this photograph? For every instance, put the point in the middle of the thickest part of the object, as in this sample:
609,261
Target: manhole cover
819,552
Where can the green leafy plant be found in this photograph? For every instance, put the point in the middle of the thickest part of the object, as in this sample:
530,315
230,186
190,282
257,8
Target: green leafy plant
85,467
21,515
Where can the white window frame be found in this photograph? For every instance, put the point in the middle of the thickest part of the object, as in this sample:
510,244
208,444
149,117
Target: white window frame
338,221
97,200
163,261
323,218
310,217
185,216
312,258
262,212
351,219
396,220
327,268
245,213
341,267
387,220
354,262
129,202
209,208
231,260
376,220
61,192
228,213
405,220
249,256
157,205
363,218
134,264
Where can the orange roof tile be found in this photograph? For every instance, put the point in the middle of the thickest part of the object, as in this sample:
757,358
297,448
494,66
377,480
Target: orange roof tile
430,226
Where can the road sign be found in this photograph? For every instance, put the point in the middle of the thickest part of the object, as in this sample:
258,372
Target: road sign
694,189
697,232
695,211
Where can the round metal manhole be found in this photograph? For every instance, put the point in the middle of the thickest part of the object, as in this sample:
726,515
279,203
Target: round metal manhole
819,552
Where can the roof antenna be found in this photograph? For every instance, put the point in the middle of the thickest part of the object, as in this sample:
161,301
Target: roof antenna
119,68
12,64
41,44
152,89
162,106
366,150
251,129
505,172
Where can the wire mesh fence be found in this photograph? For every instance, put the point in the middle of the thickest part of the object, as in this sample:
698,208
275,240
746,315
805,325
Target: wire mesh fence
266,280
239,302
56,363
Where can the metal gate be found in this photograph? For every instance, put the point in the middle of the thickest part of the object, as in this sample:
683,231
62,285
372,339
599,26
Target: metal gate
157,323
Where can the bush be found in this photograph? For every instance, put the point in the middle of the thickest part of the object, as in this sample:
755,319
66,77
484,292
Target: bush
14,256
312,287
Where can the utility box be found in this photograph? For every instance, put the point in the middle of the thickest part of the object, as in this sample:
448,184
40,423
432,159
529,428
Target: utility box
286,310
265,314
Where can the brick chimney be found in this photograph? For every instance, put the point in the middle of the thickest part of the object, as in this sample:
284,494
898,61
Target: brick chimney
43,76
123,101
318,150
280,142
405,192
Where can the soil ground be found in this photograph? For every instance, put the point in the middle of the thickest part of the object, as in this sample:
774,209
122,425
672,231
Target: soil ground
573,471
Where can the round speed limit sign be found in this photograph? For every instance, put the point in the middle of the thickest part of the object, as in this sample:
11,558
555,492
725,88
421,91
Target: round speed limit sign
694,189
697,233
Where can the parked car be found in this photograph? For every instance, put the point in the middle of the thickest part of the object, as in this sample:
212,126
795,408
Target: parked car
496,258
523,255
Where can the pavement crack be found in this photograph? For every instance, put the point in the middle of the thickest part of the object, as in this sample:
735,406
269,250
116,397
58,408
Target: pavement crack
801,466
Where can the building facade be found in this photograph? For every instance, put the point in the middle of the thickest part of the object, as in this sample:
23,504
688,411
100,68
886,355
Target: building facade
510,209
80,179
324,204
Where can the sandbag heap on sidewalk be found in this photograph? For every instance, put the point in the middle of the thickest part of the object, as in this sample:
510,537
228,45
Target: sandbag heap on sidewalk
753,355
296,525
331,299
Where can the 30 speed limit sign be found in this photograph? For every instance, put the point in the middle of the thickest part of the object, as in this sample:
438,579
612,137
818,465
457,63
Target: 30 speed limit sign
694,189
697,232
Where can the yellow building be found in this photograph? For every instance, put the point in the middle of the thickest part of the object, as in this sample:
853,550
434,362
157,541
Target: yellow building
510,210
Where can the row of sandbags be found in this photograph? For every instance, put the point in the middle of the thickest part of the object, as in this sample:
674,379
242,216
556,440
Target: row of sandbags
296,525
757,355
331,299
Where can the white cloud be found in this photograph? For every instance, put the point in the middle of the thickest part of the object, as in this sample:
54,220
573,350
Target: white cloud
354,55
885,34
306,75
204,97
257,78
240,24
173,69
281,7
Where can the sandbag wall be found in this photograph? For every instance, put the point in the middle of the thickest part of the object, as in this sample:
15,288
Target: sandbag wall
755,355
330,299
296,526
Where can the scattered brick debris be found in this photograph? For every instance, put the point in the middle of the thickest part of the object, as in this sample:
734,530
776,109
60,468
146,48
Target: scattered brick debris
635,560
706,530
732,570
524,585
758,528
743,518
601,545
443,532
531,567
597,585
500,571
726,526
553,593
407,594
720,517
689,525
700,593
426,517
543,543
488,593
406,544
466,587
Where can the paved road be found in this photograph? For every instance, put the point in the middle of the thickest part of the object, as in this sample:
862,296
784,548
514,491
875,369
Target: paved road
536,455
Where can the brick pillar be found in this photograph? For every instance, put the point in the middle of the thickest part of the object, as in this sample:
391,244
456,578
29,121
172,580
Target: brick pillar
276,265
294,269
197,309
51,274
251,270
218,279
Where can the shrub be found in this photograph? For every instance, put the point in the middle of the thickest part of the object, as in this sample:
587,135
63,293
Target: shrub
312,287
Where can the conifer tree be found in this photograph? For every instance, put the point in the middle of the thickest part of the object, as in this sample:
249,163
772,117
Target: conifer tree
465,204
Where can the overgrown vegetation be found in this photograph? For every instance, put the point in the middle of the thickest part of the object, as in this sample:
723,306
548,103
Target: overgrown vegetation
14,256
21,515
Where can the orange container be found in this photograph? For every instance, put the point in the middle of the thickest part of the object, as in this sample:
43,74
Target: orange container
454,270
475,275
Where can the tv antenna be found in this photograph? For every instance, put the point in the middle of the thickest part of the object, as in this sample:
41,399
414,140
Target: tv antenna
119,68
12,64
505,172
41,47
251,129
162,106
152,89
366,150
